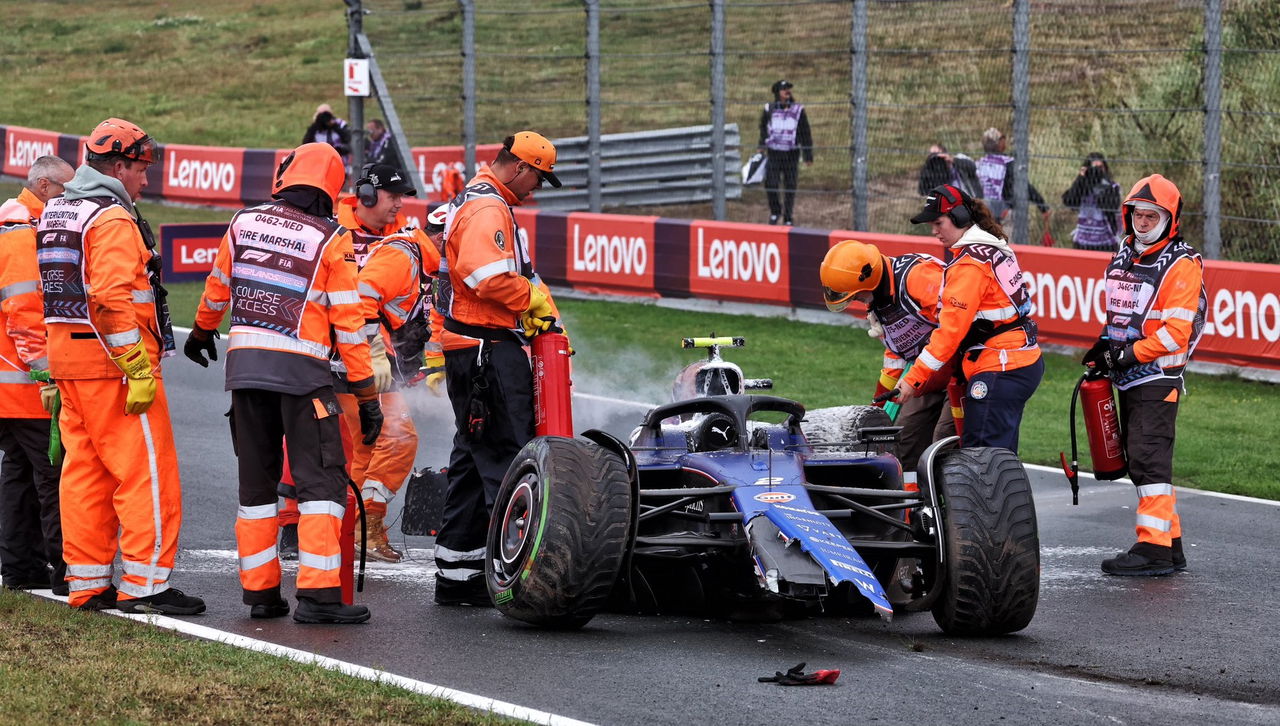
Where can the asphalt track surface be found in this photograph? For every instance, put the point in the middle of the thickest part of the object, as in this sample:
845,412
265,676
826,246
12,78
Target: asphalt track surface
1197,647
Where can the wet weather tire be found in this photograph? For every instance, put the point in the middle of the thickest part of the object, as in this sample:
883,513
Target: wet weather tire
993,547
558,533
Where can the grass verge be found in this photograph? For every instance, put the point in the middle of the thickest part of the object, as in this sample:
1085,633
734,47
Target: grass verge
63,666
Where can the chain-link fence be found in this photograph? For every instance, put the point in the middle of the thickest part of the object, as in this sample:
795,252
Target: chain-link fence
1187,89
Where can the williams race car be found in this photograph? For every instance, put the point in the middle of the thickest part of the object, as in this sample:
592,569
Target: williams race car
741,505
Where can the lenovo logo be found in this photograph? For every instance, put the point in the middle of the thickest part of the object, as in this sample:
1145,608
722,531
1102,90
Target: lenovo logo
22,153
741,261
212,176
615,254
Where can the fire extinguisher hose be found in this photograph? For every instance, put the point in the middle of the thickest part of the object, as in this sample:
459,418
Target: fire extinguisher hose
1073,471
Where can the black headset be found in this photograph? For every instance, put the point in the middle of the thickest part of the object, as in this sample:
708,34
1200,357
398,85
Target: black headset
960,213
366,192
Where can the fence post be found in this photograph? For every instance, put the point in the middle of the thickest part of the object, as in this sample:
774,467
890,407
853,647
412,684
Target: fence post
858,109
717,109
594,191
355,104
1021,119
1213,129
469,85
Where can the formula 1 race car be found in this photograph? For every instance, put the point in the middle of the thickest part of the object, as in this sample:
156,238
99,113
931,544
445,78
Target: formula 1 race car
739,505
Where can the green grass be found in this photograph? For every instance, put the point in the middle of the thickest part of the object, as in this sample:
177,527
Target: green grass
64,666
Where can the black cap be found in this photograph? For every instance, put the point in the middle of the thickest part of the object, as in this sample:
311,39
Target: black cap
780,85
941,199
385,176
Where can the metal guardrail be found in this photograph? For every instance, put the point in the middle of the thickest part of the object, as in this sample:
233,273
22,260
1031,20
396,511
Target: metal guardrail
663,166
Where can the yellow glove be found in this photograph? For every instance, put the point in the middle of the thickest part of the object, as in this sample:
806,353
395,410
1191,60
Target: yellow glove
435,374
49,398
382,379
539,317
136,365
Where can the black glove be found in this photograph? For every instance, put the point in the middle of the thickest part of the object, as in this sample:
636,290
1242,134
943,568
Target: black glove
1124,359
797,677
370,411
1097,356
200,342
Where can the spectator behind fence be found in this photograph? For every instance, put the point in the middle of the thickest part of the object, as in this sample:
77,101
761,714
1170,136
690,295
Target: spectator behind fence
329,129
1096,196
943,167
995,173
382,147
784,137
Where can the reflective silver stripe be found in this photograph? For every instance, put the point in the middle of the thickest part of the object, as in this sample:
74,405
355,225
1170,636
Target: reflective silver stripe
333,509
144,296
1155,490
39,364
154,572
343,336
1173,361
147,590
1179,314
460,574
258,559
216,305
444,554
154,469
274,341
434,347
77,585
893,363
1169,343
318,296
128,337
375,491
344,297
926,358
369,330
18,288
998,314
222,276
260,511
14,377
1150,522
367,290
319,562
88,570
485,272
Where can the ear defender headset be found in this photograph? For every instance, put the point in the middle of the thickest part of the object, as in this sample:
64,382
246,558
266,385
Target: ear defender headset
366,192
957,210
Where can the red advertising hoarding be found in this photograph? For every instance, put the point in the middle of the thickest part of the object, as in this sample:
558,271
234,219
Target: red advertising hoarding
610,252
204,174
744,262
22,146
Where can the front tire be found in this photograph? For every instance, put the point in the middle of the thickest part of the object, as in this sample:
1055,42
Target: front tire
993,546
558,533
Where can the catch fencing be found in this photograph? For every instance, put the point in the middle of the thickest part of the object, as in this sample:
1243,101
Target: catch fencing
1187,89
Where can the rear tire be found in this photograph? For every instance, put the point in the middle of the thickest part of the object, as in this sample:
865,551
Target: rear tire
840,425
993,547
558,533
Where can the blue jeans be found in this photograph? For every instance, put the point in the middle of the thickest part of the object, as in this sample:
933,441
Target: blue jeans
993,405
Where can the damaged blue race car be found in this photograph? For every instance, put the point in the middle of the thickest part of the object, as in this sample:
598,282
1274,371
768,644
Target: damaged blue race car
743,505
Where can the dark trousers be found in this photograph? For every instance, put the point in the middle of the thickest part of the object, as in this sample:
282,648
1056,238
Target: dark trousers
479,463
263,423
924,420
30,524
993,405
780,181
1147,421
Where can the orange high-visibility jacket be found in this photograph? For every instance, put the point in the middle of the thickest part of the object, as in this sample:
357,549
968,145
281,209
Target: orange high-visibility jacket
390,283
970,292
22,331
295,280
909,317
363,239
486,268
98,299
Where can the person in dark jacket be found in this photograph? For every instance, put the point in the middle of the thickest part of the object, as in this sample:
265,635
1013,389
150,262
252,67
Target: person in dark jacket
942,167
329,129
784,138
1096,196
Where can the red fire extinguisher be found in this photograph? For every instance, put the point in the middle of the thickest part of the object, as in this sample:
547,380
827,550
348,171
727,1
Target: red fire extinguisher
552,394
1102,425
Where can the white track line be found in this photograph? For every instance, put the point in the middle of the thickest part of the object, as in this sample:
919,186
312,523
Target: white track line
470,700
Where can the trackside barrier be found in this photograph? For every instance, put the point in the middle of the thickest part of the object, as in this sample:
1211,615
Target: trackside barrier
656,257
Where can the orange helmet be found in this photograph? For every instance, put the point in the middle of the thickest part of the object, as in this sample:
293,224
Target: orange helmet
117,137
849,268
1160,192
312,165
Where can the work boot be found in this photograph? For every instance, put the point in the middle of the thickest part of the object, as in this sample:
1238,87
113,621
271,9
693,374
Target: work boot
264,610
468,592
105,600
289,542
1179,559
170,602
61,589
376,546
1142,559
773,219
787,222
311,611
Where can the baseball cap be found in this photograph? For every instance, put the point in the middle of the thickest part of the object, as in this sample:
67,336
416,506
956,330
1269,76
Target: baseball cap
385,176
534,149
941,199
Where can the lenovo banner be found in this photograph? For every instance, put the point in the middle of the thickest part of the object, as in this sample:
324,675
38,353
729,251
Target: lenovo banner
744,262
22,146
433,163
203,174
610,252
188,250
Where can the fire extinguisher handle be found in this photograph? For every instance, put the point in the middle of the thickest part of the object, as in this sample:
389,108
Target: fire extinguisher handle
886,396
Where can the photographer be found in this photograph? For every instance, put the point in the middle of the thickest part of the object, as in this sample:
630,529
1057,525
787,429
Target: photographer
942,167
1097,199
329,129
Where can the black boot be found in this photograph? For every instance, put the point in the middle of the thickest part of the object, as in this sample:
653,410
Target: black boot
467,592
1142,559
169,602
311,611
105,600
1179,559
264,610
